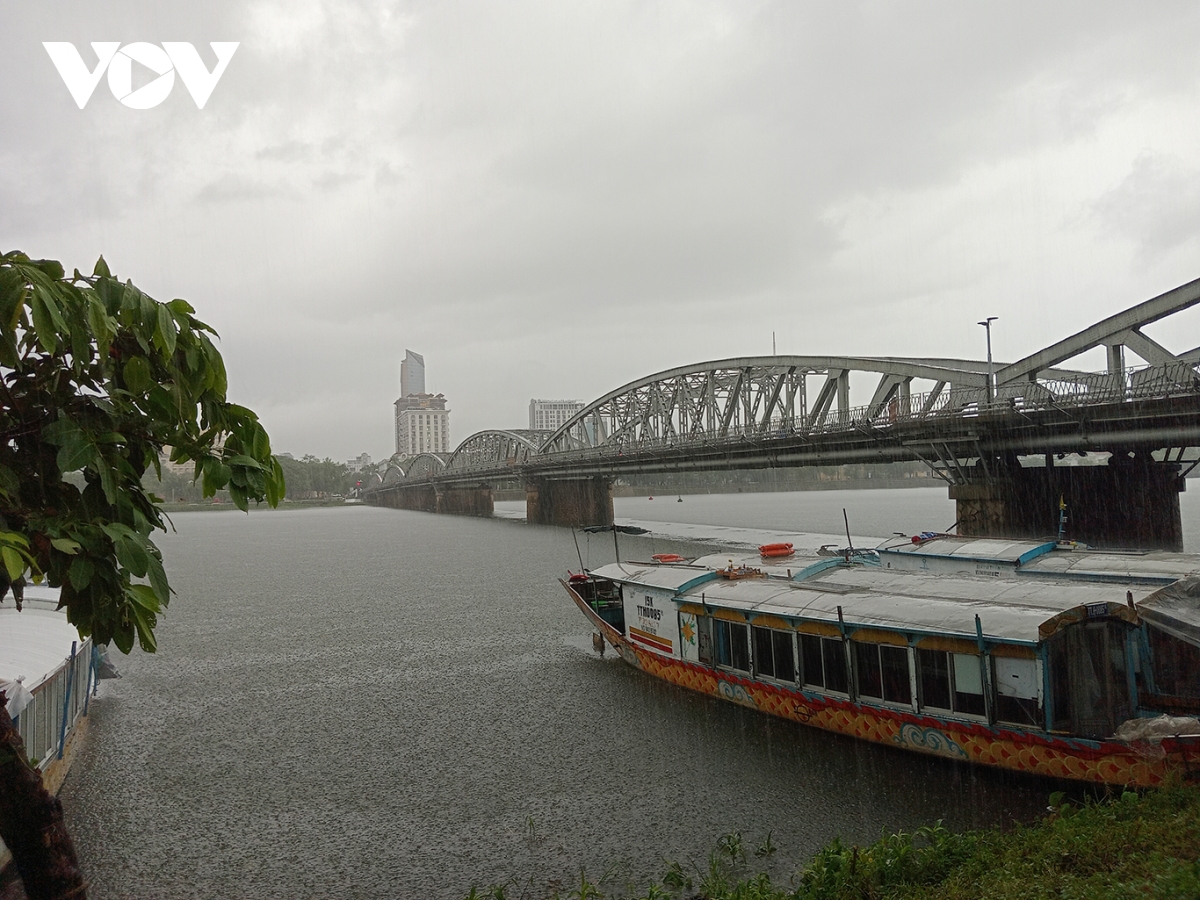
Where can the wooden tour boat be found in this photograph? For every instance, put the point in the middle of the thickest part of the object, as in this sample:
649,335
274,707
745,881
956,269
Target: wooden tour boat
1037,657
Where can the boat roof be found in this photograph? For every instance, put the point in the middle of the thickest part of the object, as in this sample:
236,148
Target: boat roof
36,641
953,547
1021,611
1052,558
1176,609
671,576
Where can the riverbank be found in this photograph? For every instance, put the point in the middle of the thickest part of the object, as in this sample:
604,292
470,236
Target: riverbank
211,506
1128,845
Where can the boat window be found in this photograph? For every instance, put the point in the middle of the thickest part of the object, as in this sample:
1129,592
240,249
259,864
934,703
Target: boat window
836,676
1016,683
950,681
934,682
968,685
732,645
882,672
810,660
774,654
704,639
823,663
1176,665
1088,679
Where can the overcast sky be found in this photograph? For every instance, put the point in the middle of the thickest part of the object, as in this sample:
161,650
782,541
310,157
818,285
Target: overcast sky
553,199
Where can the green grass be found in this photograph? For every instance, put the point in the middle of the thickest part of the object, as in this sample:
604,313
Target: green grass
1129,846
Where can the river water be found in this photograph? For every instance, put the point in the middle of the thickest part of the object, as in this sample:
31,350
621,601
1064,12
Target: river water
361,702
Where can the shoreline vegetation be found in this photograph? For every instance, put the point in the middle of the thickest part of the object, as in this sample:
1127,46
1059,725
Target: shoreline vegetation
1123,845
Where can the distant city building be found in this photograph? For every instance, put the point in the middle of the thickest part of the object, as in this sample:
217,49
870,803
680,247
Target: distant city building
412,374
422,424
549,415
360,462
186,469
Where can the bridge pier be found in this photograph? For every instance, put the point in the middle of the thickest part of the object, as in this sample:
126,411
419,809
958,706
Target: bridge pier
569,501
419,498
472,501
1131,503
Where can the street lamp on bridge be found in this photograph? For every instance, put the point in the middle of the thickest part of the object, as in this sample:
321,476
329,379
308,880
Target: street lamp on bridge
991,387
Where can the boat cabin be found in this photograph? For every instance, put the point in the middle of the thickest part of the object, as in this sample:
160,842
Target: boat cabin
1071,656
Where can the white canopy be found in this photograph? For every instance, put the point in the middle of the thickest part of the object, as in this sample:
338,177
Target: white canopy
35,642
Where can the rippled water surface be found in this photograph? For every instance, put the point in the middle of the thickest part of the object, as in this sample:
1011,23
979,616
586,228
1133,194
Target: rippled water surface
359,702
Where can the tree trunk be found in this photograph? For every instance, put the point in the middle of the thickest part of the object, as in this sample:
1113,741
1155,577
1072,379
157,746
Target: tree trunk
31,823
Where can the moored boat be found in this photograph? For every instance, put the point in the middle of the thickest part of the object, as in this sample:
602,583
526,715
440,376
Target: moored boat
1083,678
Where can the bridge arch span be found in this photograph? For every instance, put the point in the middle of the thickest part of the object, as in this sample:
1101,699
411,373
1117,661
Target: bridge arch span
757,395
424,465
496,448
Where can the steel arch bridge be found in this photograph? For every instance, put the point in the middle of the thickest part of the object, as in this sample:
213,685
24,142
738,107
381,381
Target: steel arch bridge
849,405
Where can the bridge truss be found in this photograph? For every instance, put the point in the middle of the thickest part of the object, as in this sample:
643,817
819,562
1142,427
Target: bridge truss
801,409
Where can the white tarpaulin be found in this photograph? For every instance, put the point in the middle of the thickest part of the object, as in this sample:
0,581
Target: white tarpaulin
35,642
1176,610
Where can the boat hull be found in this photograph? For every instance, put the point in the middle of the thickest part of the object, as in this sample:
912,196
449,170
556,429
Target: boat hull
1141,764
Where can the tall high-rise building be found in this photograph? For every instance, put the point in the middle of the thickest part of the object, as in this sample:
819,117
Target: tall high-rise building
412,374
548,415
422,420
422,424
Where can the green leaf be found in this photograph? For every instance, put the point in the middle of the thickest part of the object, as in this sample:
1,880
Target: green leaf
132,555
43,324
75,454
12,298
123,637
108,482
65,545
145,622
13,562
137,375
237,493
245,461
100,323
164,333
51,267
75,450
101,269
142,595
80,572
46,294
158,580
15,539
276,484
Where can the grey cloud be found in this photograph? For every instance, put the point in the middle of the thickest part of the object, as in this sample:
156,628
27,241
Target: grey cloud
235,187
1156,207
